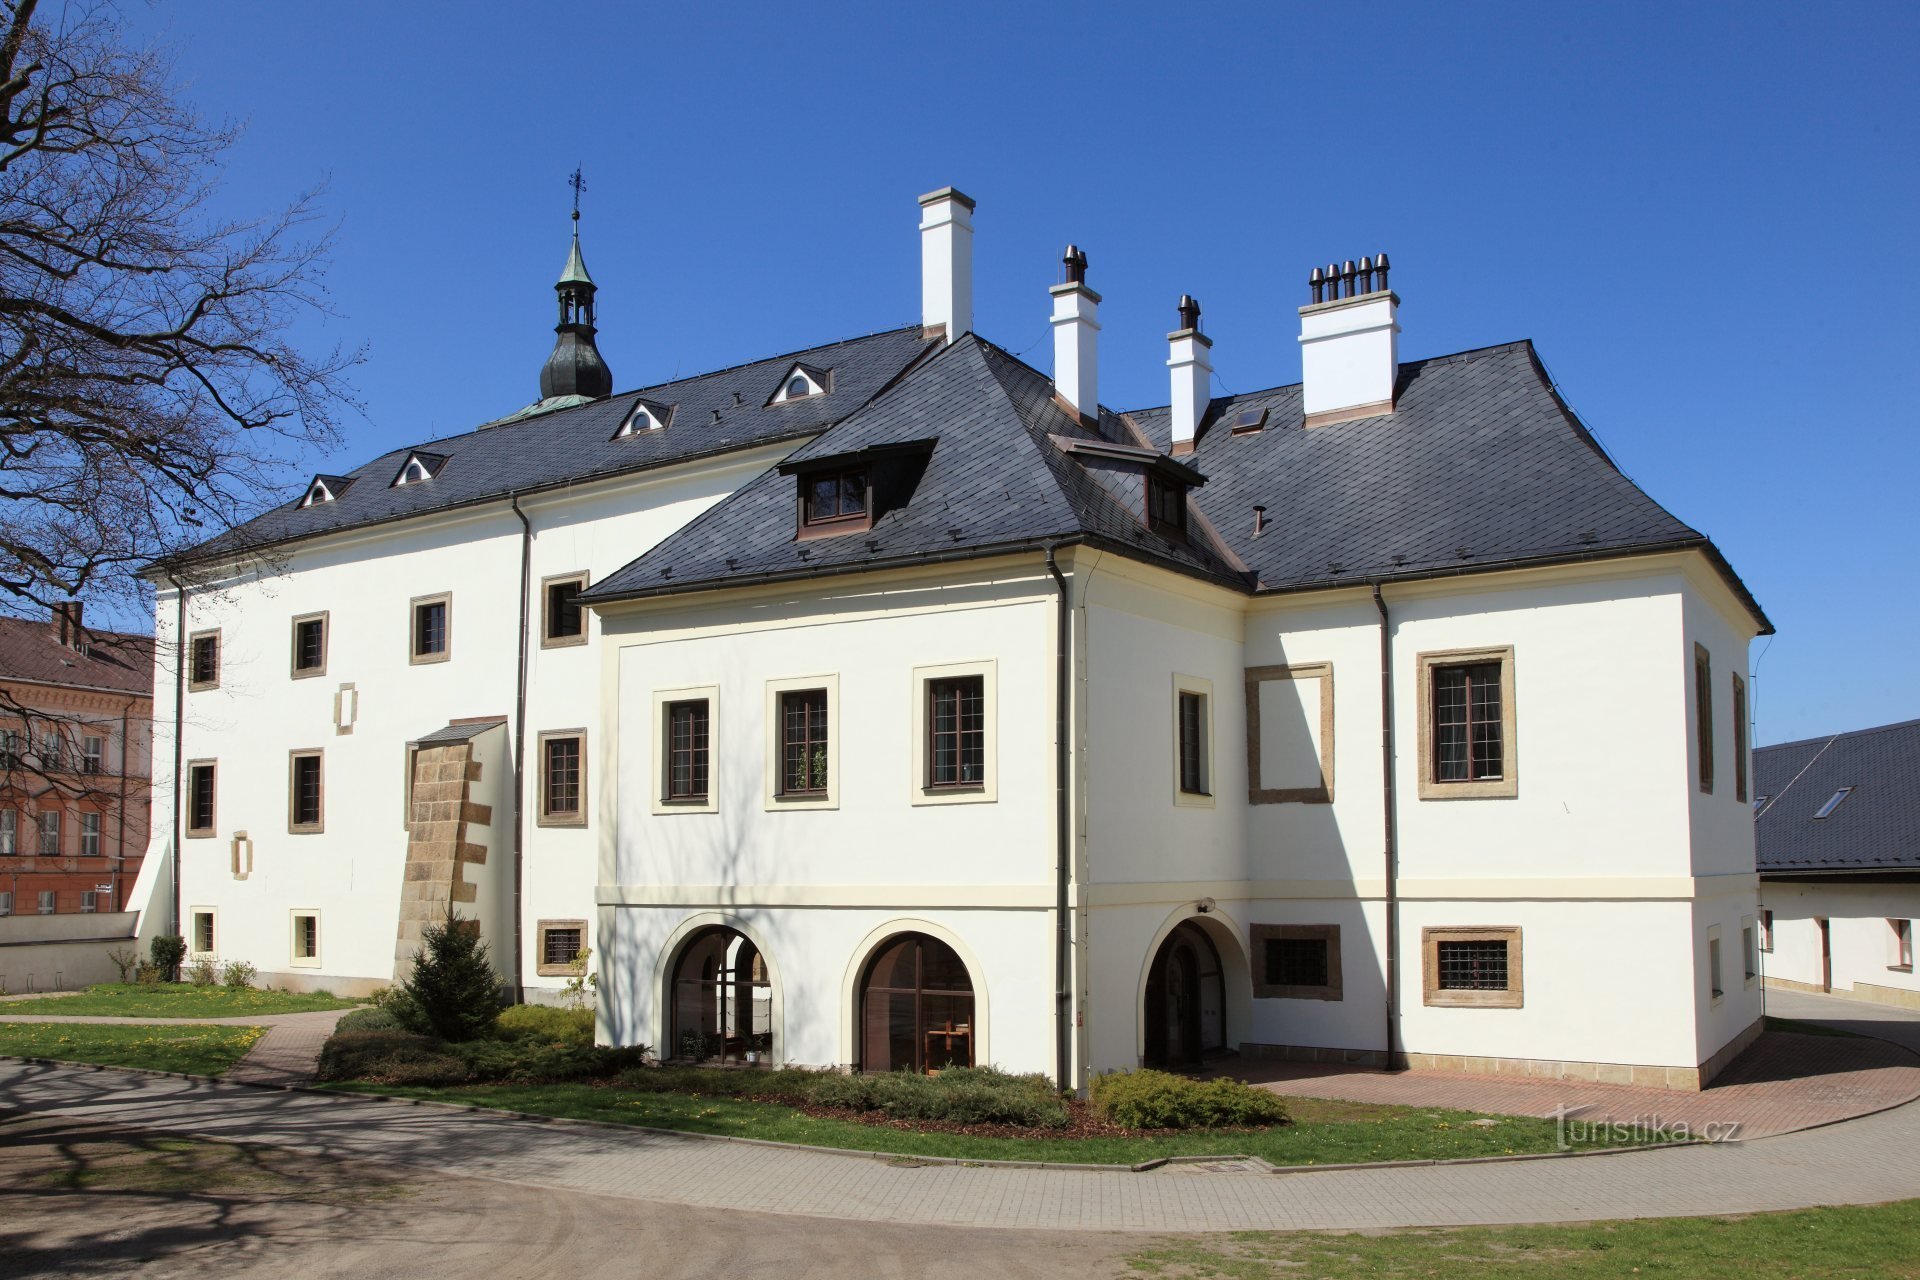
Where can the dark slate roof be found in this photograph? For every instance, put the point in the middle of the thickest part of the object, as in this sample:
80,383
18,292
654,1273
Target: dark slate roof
572,445
994,481
1877,827
1480,465
461,731
114,662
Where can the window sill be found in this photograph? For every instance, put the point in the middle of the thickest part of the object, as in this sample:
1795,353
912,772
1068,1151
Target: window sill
803,800
1482,789
1451,999
562,820
1192,799
1899,968
426,659
1262,992
309,829
972,793
554,971
309,675
208,834
563,642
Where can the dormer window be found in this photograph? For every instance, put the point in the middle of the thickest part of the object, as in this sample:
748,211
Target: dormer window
419,468
1166,506
324,489
802,382
646,415
834,500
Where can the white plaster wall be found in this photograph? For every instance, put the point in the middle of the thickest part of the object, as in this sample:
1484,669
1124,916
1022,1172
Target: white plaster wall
1857,916
1721,821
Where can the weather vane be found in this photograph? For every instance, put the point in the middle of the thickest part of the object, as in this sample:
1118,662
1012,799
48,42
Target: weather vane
578,184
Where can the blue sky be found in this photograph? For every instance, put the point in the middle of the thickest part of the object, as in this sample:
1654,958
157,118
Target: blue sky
1703,216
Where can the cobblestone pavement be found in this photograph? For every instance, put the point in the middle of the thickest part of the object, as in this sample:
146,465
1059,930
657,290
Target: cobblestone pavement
287,1054
1783,1083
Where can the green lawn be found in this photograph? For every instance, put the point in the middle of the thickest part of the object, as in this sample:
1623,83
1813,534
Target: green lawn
1811,1244
174,1000
1323,1133
203,1050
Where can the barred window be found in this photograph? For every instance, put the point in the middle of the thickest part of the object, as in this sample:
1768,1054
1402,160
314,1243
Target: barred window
1297,962
306,937
429,628
687,750
957,732
1472,966
560,946
309,645
803,742
304,805
204,660
560,791
565,620
1467,738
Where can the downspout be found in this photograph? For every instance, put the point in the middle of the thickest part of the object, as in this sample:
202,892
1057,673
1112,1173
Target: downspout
520,750
183,654
1390,829
1062,993
120,818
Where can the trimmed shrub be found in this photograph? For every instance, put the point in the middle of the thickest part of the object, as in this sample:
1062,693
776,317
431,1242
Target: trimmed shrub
369,1019
389,1057
545,1022
453,982
1162,1100
167,950
958,1095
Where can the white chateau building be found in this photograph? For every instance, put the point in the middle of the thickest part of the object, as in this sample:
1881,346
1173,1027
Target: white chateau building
892,704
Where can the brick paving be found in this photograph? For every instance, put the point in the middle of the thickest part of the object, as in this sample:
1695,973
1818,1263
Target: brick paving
287,1054
1782,1083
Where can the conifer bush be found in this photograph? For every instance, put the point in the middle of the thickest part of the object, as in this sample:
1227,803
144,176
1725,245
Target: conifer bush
453,984
1162,1100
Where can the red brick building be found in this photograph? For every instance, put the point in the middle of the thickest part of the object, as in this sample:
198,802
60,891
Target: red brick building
76,720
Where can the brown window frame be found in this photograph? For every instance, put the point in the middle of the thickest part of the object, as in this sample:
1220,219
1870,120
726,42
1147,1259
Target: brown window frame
1190,734
815,788
194,641
1431,666
699,757
959,734
1263,934
1703,716
548,815
1512,996
548,586
296,825
1740,733
556,969
1166,506
297,671
811,525
415,656
190,800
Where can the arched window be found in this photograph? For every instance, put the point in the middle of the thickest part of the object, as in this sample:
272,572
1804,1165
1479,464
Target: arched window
798,386
916,1007
722,1000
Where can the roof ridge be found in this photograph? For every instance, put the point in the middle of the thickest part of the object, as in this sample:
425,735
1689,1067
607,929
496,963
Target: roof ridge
1456,357
1844,733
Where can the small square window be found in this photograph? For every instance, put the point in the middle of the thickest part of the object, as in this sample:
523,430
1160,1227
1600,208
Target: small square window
563,620
431,629
836,501
203,932
561,942
563,778
1296,961
1472,967
306,793
310,645
203,661
202,789
687,764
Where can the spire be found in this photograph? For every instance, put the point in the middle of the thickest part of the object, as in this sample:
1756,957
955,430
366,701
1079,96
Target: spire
575,368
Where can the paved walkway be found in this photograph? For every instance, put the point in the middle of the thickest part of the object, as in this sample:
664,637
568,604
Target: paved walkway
1783,1083
287,1054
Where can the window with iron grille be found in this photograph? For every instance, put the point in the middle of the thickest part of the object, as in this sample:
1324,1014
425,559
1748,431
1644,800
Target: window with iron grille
1297,962
1703,715
565,620
687,760
93,752
90,835
956,732
803,742
560,946
834,500
200,796
1472,966
204,660
309,646
50,833
1468,741
306,786
1166,505
1193,744
560,783
430,619
306,937
203,931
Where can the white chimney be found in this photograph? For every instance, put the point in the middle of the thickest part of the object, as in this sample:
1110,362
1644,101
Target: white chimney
1187,351
946,264
1349,343
1076,338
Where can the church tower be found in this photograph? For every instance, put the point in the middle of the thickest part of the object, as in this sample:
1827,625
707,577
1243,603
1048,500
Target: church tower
575,368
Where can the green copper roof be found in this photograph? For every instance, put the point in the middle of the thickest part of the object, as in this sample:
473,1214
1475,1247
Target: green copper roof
576,269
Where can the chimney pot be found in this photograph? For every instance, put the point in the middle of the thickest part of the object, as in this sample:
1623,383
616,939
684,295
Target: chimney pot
1189,312
1349,353
946,263
1318,283
1366,275
1380,267
1076,338
1076,264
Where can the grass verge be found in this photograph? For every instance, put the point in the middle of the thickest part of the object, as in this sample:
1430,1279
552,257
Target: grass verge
1808,1244
1323,1132
174,1000
202,1050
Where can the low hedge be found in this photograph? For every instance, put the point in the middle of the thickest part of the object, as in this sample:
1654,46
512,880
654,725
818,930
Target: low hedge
524,1022
958,1095
1162,1100
404,1057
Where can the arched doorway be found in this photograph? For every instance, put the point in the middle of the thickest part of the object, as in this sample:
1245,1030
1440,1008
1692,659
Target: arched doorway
1186,1000
916,1007
722,1000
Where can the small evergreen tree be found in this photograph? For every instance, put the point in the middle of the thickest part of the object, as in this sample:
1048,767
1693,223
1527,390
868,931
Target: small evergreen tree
453,984
168,950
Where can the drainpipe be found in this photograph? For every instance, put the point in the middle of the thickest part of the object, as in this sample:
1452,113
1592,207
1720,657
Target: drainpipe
1062,993
183,654
120,820
520,749
1391,829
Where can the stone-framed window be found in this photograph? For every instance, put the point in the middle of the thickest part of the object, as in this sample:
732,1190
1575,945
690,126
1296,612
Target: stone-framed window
203,660
201,797
1296,961
1472,967
309,645
563,621
305,950
430,628
560,942
1703,716
955,733
306,792
1469,744
563,778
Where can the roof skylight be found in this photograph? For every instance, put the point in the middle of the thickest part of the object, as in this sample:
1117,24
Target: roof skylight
1833,802
1249,420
